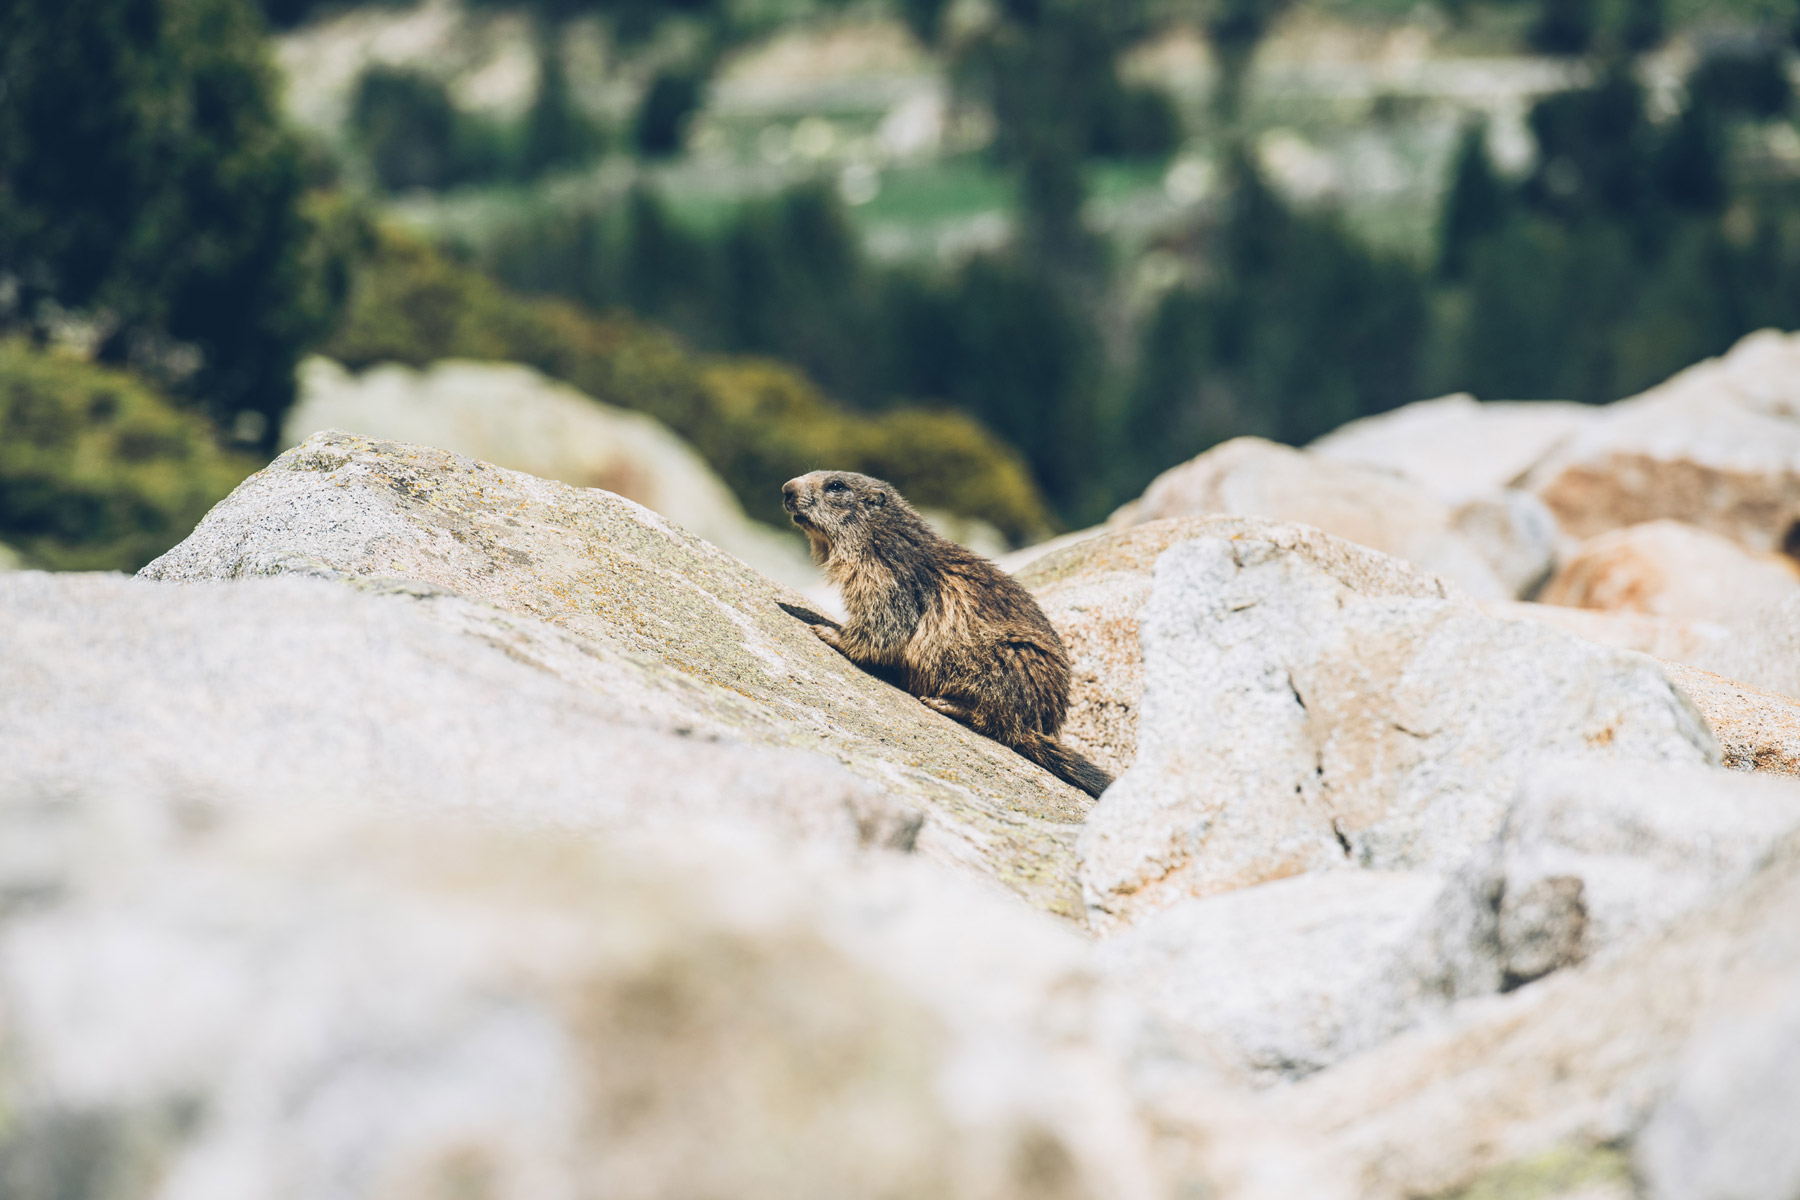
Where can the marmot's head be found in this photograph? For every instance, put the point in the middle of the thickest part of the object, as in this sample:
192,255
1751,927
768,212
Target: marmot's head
842,510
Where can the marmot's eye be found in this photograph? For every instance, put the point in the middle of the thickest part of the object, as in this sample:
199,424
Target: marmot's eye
837,485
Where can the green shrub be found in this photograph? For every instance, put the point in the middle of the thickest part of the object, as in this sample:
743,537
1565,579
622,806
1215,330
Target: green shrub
97,472
757,422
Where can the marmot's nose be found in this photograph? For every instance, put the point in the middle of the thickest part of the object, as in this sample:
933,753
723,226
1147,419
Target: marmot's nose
790,494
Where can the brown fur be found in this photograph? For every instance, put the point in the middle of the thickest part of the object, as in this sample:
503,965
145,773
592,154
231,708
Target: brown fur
962,635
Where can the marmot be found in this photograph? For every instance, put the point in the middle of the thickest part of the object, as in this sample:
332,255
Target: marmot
964,637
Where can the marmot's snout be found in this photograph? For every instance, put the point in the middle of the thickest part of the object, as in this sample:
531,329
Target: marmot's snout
823,498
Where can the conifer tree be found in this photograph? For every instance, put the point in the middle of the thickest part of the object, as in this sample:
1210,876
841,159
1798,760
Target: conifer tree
148,187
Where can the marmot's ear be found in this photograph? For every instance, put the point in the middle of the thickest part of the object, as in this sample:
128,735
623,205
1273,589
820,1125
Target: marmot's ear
877,499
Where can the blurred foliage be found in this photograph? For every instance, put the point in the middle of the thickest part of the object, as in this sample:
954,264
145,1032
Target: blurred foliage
152,205
557,133
1236,27
1743,77
286,14
1628,252
997,338
1564,27
759,423
98,472
151,201
405,124
675,91
662,119
1048,72
1295,330
415,137
1474,204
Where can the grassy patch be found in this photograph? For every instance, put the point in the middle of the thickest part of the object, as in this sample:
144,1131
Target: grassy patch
1549,1175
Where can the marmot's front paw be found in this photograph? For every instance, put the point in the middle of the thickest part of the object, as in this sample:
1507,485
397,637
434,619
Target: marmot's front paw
830,635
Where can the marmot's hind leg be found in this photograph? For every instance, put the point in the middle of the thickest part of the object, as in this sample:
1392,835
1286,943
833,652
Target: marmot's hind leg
984,718
954,709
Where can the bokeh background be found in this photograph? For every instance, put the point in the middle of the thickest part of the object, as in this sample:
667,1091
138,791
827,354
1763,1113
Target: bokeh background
1016,255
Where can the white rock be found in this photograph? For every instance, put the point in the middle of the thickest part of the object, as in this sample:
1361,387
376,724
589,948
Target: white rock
295,687
1596,856
1296,974
1456,447
1256,478
1293,974
1669,569
1515,534
1687,641
1093,588
287,999
1290,723
978,535
515,417
1551,1079
1717,446
1758,729
735,646
1726,1129
1761,649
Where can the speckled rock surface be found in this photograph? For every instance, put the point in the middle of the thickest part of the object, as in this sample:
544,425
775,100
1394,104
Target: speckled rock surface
1756,730
1762,649
418,829
616,575
1092,591
1666,638
1291,723
516,417
299,689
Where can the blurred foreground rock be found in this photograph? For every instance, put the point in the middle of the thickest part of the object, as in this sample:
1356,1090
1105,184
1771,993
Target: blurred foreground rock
1591,859
515,417
205,996
1511,1094
419,829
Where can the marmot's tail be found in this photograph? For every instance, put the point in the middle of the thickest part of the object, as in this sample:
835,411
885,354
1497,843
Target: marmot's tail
1064,763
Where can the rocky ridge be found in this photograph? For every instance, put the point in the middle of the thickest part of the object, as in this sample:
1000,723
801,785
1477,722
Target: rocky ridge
419,828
